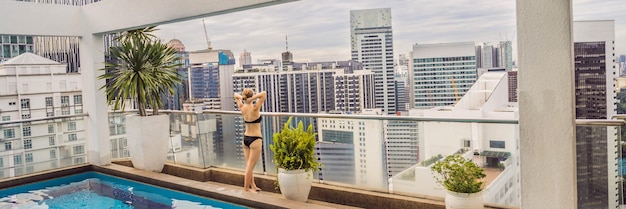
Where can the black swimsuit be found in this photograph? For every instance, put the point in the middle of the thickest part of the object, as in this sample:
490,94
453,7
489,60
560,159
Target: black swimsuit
247,140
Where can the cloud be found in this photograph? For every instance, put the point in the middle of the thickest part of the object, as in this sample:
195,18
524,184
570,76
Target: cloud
319,30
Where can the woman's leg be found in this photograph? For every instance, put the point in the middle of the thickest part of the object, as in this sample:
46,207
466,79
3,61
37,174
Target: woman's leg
246,155
253,156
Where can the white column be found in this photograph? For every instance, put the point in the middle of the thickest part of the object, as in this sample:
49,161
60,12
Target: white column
546,101
91,60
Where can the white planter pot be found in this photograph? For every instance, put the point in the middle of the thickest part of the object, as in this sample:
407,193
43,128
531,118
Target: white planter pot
147,141
456,200
295,184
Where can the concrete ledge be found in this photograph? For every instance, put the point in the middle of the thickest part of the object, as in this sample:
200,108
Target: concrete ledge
224,192
320,193
42,176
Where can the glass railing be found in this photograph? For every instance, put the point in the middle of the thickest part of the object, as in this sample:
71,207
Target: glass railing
598,154
34,145
385,153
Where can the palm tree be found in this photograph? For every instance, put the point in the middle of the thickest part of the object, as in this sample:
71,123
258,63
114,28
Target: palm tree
143,70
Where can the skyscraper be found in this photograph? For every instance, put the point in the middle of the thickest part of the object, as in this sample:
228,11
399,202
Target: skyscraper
441,73
505,52
175,102
372,44
594,65
245,58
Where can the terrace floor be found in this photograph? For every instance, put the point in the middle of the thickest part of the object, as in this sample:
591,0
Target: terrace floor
224,184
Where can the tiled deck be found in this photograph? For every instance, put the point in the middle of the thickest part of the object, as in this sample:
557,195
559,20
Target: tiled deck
225,184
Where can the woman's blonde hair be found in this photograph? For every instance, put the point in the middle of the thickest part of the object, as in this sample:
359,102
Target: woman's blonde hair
247,93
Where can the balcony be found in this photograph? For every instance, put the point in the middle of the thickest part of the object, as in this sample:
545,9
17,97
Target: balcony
546,126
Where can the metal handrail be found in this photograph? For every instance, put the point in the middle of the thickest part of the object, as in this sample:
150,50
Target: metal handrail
583,122
600,122
42,119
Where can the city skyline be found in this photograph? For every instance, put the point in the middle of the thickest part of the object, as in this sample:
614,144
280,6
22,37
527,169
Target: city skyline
318,32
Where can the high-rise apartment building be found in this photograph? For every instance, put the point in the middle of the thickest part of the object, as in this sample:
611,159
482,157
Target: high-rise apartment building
211,77
354,92
372,44
441,73
595,73
500,56
505,53
401,144
487,56
37,87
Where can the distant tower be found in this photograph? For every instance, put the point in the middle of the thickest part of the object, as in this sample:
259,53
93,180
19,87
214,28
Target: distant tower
505,60
372,44
245,58
287,57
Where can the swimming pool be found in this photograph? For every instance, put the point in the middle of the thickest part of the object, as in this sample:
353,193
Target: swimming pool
96,190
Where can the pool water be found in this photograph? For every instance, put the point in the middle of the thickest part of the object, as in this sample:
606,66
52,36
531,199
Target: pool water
97,190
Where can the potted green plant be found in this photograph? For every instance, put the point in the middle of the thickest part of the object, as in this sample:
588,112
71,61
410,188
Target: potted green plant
142,71
462,179
295,158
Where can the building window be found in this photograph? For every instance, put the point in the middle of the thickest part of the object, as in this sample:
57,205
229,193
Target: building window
51,140
9,133
78,110
29,157
496,144
6,118
1,163
50,128
65,100
26,131
49,102
8,146
17,159
53,154
72,137
25,103
79,160
78,99
71,126
28,144
25,116
65,111
79,150
49,114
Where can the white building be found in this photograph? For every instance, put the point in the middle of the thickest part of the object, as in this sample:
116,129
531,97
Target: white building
34,87
440,74
371,41
355,147
490,145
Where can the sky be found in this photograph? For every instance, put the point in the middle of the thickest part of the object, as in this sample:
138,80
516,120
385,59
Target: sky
319,30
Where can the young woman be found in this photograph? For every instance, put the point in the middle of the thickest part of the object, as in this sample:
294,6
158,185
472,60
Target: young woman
252,138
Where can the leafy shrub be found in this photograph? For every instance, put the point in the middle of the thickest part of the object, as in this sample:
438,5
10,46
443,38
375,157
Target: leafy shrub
458,174
294,147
